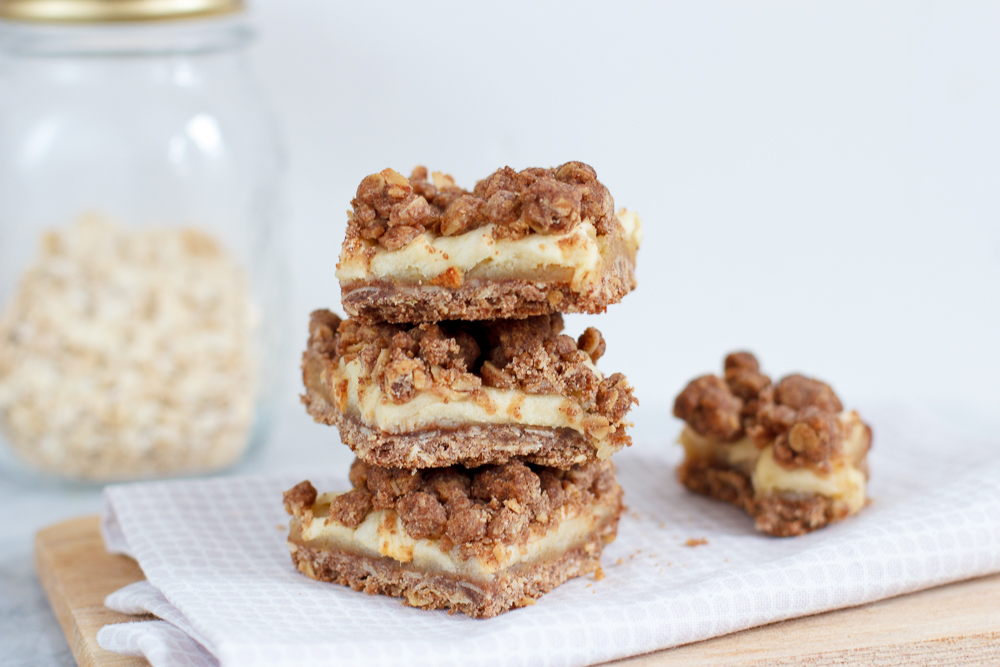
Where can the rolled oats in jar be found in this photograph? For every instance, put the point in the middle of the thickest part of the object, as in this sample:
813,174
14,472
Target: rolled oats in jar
141,268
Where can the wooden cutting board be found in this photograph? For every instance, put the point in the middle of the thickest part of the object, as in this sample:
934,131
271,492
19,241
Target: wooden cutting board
957,624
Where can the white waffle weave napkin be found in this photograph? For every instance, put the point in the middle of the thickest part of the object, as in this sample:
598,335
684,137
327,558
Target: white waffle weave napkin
220,577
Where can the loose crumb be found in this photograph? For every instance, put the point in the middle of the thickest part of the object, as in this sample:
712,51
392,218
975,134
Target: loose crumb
598,573
696,542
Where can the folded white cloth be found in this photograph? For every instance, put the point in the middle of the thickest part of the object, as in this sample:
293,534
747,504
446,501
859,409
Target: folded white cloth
220,576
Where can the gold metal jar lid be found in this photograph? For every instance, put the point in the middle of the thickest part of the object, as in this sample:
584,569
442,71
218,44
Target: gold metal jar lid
109,11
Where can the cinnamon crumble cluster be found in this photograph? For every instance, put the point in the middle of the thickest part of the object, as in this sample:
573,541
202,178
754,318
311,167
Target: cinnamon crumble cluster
458,356
799,414
473,509
395,210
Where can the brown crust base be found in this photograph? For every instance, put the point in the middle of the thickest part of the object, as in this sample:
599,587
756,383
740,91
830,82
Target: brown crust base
517,587
470,446
385,301
782,515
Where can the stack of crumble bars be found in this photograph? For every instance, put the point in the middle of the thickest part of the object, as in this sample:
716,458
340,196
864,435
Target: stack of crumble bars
483,435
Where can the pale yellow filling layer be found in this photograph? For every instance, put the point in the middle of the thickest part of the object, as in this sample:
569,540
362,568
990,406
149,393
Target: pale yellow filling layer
431,410
579,251
846,482
382,534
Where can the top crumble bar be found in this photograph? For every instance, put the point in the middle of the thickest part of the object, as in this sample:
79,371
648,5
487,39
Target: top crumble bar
525,243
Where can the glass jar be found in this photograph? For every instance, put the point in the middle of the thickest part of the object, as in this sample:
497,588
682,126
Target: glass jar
141,259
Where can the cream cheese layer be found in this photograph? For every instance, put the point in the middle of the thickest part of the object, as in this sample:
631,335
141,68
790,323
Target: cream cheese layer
578,255
429,409
845,482
382,534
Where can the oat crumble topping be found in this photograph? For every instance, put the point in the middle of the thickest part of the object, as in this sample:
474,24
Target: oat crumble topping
394,210
799,414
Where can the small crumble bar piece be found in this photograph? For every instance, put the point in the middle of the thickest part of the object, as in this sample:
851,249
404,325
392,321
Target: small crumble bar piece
789,454
469,393
521,243
480,542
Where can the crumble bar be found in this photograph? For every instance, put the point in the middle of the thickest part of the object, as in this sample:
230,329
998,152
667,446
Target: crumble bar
789,454
479,541
522,243
434,395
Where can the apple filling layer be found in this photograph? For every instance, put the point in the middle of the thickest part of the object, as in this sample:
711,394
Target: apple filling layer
844,482
578,257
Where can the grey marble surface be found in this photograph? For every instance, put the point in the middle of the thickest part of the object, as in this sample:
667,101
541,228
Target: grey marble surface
29,633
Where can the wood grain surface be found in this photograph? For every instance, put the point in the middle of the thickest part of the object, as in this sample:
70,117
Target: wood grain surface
957,624
77,574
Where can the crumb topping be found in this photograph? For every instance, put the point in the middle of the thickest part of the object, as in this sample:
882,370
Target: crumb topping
473,509
798,415
394,210
463,357
302,496
709,407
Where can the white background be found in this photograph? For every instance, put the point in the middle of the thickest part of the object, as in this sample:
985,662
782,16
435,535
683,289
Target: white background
818,181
